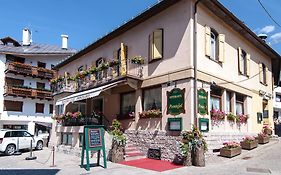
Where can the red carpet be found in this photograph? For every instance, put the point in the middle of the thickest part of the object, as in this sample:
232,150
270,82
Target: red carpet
151,164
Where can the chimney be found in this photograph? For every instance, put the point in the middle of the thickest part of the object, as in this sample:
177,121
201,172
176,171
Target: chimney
26,37
64,39
263,36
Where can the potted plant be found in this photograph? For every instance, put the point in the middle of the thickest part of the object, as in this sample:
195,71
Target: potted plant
137,60
230,149
113,63
152,113
249,143
230,117
117,151
263,138
267,130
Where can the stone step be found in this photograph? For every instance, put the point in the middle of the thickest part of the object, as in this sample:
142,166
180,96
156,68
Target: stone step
134,158
133,154
128,149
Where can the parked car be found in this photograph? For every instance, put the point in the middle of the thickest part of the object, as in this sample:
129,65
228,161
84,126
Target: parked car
11,140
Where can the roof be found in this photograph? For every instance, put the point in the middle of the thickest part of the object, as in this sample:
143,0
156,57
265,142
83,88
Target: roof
213,5
34,48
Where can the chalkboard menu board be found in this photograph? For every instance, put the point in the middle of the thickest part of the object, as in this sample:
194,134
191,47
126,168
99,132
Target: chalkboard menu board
94,138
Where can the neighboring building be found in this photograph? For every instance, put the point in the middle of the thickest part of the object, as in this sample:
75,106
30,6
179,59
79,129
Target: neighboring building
234,68
277,102
26,69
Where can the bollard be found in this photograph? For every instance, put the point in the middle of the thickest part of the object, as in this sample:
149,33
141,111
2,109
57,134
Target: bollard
53,152
30,156
18,146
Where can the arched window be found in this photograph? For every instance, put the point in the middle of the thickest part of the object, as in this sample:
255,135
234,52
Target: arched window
214,44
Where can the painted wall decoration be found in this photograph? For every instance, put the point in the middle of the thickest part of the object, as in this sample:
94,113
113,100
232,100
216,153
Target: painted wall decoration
175,100
202,102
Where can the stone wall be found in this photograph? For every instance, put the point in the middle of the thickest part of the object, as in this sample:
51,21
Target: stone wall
169,145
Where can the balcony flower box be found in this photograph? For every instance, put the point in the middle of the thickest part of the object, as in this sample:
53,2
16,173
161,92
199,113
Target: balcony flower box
230,149
153,113
263,138
249,143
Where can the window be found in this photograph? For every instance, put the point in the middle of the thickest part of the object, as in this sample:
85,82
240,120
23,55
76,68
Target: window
215,98
12,58
41,64
14,82
52,66
59,109
228,102
152,99
278,97
214,44
8,134
40,85
80,140
243,62
265,108
18,133
13,105
99,62
214,36
81,68
127,103
264,73
79,106
66,139
156,45
239,104
39,108
51,108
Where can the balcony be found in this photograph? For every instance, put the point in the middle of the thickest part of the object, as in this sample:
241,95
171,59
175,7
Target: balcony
27,92
96,76
26,69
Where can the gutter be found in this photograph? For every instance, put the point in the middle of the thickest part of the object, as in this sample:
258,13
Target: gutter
195,122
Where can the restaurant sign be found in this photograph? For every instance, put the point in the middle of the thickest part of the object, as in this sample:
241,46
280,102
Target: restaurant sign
202,102
175,100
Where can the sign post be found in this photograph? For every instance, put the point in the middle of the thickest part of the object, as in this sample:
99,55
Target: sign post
93,139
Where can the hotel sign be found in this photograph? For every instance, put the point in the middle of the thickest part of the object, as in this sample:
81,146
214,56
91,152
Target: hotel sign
202,102
175,100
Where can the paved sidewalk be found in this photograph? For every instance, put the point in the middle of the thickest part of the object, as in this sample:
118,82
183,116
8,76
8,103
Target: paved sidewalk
264,159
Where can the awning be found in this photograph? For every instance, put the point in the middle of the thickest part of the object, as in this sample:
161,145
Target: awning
85,94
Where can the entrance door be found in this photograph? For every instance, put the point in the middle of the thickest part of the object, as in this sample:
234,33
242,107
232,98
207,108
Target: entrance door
98,109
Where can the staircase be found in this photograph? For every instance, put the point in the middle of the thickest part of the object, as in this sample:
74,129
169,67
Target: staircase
132,152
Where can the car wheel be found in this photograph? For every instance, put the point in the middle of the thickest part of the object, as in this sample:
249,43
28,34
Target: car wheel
10,150
39,145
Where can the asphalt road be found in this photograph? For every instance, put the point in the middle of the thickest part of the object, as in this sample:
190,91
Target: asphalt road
266,159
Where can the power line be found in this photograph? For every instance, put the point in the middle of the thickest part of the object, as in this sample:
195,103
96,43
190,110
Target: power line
269,14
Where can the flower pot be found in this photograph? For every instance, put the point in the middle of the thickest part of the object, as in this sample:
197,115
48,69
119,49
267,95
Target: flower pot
263,140
230,152
184,160
249,144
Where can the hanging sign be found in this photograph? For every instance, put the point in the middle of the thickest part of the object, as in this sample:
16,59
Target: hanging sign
175,100
93,139
202,102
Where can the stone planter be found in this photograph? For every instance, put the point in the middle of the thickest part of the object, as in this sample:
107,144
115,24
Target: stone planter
249,145
230,152
267,131
198,156
117,152
184,160
263,140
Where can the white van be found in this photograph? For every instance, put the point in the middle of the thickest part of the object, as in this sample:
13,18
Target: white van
11,140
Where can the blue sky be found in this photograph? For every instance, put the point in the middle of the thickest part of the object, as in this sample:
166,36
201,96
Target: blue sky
85,21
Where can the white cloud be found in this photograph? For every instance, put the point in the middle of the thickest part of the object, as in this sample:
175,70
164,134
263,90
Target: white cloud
276,38
267,29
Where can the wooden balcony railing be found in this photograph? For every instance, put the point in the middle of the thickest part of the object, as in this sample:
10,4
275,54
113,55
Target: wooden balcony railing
97,78
26,69
28,93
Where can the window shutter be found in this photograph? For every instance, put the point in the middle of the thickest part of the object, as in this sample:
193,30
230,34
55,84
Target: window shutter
266,76
158,44
240,68
123,59
221,47
260,73
248,62
150,47
207,41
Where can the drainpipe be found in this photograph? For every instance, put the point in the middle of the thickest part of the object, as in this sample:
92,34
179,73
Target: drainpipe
195,60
